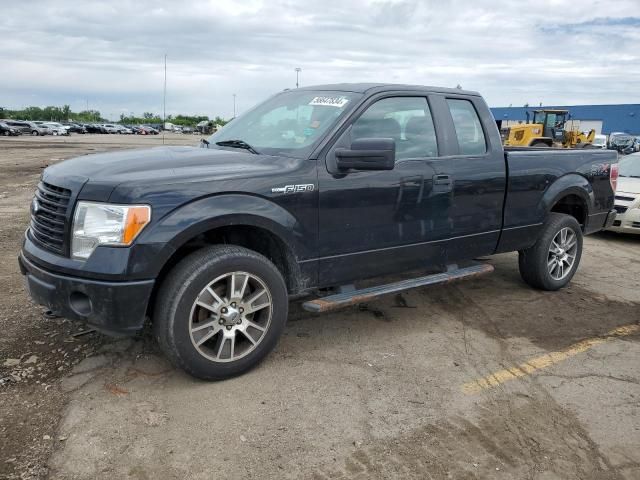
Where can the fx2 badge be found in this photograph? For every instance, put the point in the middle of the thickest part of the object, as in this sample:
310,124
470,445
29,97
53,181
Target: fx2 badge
307,187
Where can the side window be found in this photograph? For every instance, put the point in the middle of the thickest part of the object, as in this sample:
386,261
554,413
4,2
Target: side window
468,127
405,119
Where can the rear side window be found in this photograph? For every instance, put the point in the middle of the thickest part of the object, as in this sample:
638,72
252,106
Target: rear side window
468,127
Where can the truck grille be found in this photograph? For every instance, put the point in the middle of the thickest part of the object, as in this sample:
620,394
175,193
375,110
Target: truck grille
49,216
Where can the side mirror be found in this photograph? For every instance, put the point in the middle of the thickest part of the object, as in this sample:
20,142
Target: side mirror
368,154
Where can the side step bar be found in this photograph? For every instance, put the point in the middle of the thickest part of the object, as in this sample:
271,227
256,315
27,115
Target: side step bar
354,297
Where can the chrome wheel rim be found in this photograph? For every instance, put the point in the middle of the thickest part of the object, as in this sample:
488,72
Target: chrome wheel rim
230,317
562,253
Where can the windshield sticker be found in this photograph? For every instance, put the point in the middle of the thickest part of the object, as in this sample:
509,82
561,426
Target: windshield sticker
329,101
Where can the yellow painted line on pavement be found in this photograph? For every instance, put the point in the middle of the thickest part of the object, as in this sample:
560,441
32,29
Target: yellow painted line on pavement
544,361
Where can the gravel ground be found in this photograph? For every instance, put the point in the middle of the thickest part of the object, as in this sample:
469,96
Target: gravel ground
406,387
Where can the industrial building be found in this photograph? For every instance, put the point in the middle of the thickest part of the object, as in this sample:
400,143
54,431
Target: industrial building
605,119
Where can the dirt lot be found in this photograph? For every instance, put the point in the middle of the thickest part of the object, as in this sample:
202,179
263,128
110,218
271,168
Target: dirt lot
483,379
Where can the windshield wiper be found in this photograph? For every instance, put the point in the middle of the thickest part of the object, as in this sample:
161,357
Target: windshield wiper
237,144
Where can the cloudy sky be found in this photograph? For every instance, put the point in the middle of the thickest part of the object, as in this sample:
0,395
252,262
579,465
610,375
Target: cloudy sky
109,54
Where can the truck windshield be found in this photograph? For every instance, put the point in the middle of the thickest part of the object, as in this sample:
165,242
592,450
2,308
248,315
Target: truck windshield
289,124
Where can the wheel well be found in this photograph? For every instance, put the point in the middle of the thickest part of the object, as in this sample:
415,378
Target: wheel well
254,238
572,205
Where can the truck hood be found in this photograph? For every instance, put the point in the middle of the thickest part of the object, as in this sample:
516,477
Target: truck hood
162,164
628,185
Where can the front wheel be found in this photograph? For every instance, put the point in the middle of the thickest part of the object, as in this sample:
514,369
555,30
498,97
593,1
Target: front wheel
220,311
553,260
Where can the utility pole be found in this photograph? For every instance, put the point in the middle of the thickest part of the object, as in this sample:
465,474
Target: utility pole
234,105
164,98
298,70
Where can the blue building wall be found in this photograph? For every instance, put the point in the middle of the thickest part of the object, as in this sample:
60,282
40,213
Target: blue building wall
615,118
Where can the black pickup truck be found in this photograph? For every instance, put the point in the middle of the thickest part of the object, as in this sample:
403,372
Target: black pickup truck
308,193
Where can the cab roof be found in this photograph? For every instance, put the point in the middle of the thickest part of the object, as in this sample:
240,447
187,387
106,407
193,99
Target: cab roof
384,87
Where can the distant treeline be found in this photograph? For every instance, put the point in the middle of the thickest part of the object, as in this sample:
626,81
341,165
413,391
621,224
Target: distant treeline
64,114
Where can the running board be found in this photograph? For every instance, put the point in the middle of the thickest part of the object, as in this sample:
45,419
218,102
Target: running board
355,297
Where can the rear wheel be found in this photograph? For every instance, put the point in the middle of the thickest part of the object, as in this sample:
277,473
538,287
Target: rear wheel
553,260
220,312
540,144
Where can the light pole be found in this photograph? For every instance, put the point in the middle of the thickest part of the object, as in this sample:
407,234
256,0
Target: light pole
298,70
164,98
234,105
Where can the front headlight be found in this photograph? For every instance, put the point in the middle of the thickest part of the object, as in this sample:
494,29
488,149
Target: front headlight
105,224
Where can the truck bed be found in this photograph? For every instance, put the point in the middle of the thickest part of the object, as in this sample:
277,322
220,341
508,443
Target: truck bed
537,176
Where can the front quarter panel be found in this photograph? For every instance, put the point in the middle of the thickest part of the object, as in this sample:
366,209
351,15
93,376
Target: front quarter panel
294,225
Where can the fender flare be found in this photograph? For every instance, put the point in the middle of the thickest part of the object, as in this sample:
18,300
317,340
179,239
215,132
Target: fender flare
188,221
570,184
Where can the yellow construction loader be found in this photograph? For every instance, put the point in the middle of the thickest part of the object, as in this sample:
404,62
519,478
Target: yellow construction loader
550,128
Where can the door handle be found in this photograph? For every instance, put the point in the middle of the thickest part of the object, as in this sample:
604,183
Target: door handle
441,180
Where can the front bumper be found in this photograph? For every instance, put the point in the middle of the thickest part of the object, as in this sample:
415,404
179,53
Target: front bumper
627,222
114,308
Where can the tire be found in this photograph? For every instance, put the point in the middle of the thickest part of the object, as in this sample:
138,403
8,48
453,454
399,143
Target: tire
34,133
179,323
537,267
540,144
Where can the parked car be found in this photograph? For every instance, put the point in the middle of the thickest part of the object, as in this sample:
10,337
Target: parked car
206,127
19,125
94,128
124,130
28,128
187,130
135,129
9,131
150,130
627,200
110,128
316,188
74,127
57,128
44,125
600,141
623,143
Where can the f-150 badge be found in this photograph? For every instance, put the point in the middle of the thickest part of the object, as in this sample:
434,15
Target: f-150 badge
307,187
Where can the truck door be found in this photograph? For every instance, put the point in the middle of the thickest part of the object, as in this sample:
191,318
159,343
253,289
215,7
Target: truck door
377,222
473,163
